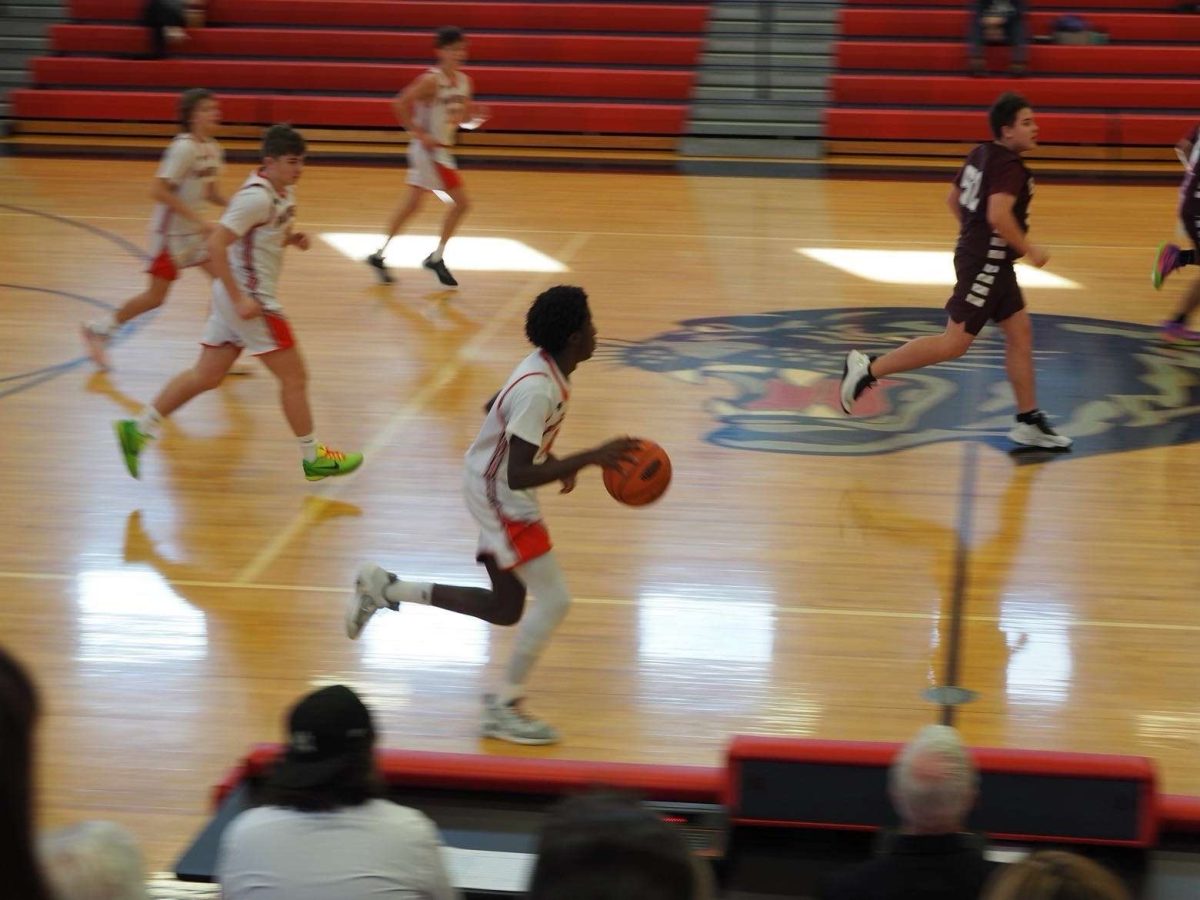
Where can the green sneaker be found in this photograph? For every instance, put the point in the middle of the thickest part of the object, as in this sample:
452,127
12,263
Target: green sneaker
132,441
331,462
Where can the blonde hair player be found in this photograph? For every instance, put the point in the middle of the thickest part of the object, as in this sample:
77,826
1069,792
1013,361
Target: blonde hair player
186,179
432,109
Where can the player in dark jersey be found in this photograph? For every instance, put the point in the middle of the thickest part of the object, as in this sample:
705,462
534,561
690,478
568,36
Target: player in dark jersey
990,199
1171,256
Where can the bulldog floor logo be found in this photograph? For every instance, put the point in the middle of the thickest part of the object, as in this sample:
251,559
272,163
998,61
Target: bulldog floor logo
1112,386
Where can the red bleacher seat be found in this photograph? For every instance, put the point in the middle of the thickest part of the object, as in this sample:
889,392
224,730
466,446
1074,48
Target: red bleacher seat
1084,93
1058,128
359,112
390,45
353,77
581,66
952,23
429,14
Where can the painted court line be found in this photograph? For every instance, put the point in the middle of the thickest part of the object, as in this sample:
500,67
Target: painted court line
829,611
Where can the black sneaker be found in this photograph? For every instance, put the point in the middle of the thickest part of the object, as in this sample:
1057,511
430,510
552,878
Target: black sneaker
438,268
375,261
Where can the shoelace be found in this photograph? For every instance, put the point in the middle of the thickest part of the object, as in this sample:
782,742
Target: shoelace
521,714
335,455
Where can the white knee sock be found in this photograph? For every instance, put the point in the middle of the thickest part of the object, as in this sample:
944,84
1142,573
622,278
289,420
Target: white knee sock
548,606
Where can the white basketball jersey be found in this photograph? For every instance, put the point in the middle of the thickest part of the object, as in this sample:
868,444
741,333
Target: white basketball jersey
531,406
190,165
260,217
442,115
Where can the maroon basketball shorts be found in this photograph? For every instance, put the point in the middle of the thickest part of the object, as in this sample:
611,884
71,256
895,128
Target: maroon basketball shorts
986,291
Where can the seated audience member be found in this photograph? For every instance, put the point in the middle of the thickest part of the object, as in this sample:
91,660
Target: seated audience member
607,846
933,785
18,715
1055,875
325,833
165,20
997,22
93,861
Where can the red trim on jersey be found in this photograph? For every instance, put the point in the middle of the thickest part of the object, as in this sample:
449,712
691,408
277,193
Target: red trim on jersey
559,378
248,262
163,266
248,241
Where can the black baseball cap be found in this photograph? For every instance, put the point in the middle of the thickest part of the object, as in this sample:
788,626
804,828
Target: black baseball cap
325,729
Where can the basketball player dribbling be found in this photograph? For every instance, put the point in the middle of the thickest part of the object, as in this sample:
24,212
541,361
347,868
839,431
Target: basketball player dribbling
508,459
432,109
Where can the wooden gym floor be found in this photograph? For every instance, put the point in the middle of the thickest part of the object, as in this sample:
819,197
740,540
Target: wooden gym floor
791,582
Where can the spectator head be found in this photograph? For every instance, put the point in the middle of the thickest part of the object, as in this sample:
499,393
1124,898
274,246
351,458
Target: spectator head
18,715
933,782
94,861
329,762
607,846
1054,875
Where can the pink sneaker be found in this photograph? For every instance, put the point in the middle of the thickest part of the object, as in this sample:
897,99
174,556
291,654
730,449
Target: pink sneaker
96,344
1165,262
1175,333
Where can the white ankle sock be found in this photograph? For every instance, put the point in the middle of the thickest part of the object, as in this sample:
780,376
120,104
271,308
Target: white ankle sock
308,447
149,422
409,592
436,255
108,326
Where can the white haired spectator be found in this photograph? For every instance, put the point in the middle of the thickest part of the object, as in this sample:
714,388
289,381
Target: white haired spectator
933,784
93,861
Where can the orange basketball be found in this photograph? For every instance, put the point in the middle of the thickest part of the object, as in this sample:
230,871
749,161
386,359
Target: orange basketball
642,481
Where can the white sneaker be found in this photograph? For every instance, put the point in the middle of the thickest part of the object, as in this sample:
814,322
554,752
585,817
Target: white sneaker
856,378
508,722
95,341
367,599
1038,433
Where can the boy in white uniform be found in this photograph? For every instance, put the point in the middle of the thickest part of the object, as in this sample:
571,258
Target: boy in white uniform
432,109
511,456
186,179
246,253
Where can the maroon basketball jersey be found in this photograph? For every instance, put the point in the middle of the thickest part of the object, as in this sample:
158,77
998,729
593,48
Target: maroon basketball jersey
990,169
1189,191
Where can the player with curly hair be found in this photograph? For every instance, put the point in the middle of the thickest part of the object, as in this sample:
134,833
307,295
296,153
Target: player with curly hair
509,458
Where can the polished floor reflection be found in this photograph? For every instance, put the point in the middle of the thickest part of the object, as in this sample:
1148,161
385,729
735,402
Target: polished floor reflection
805,575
